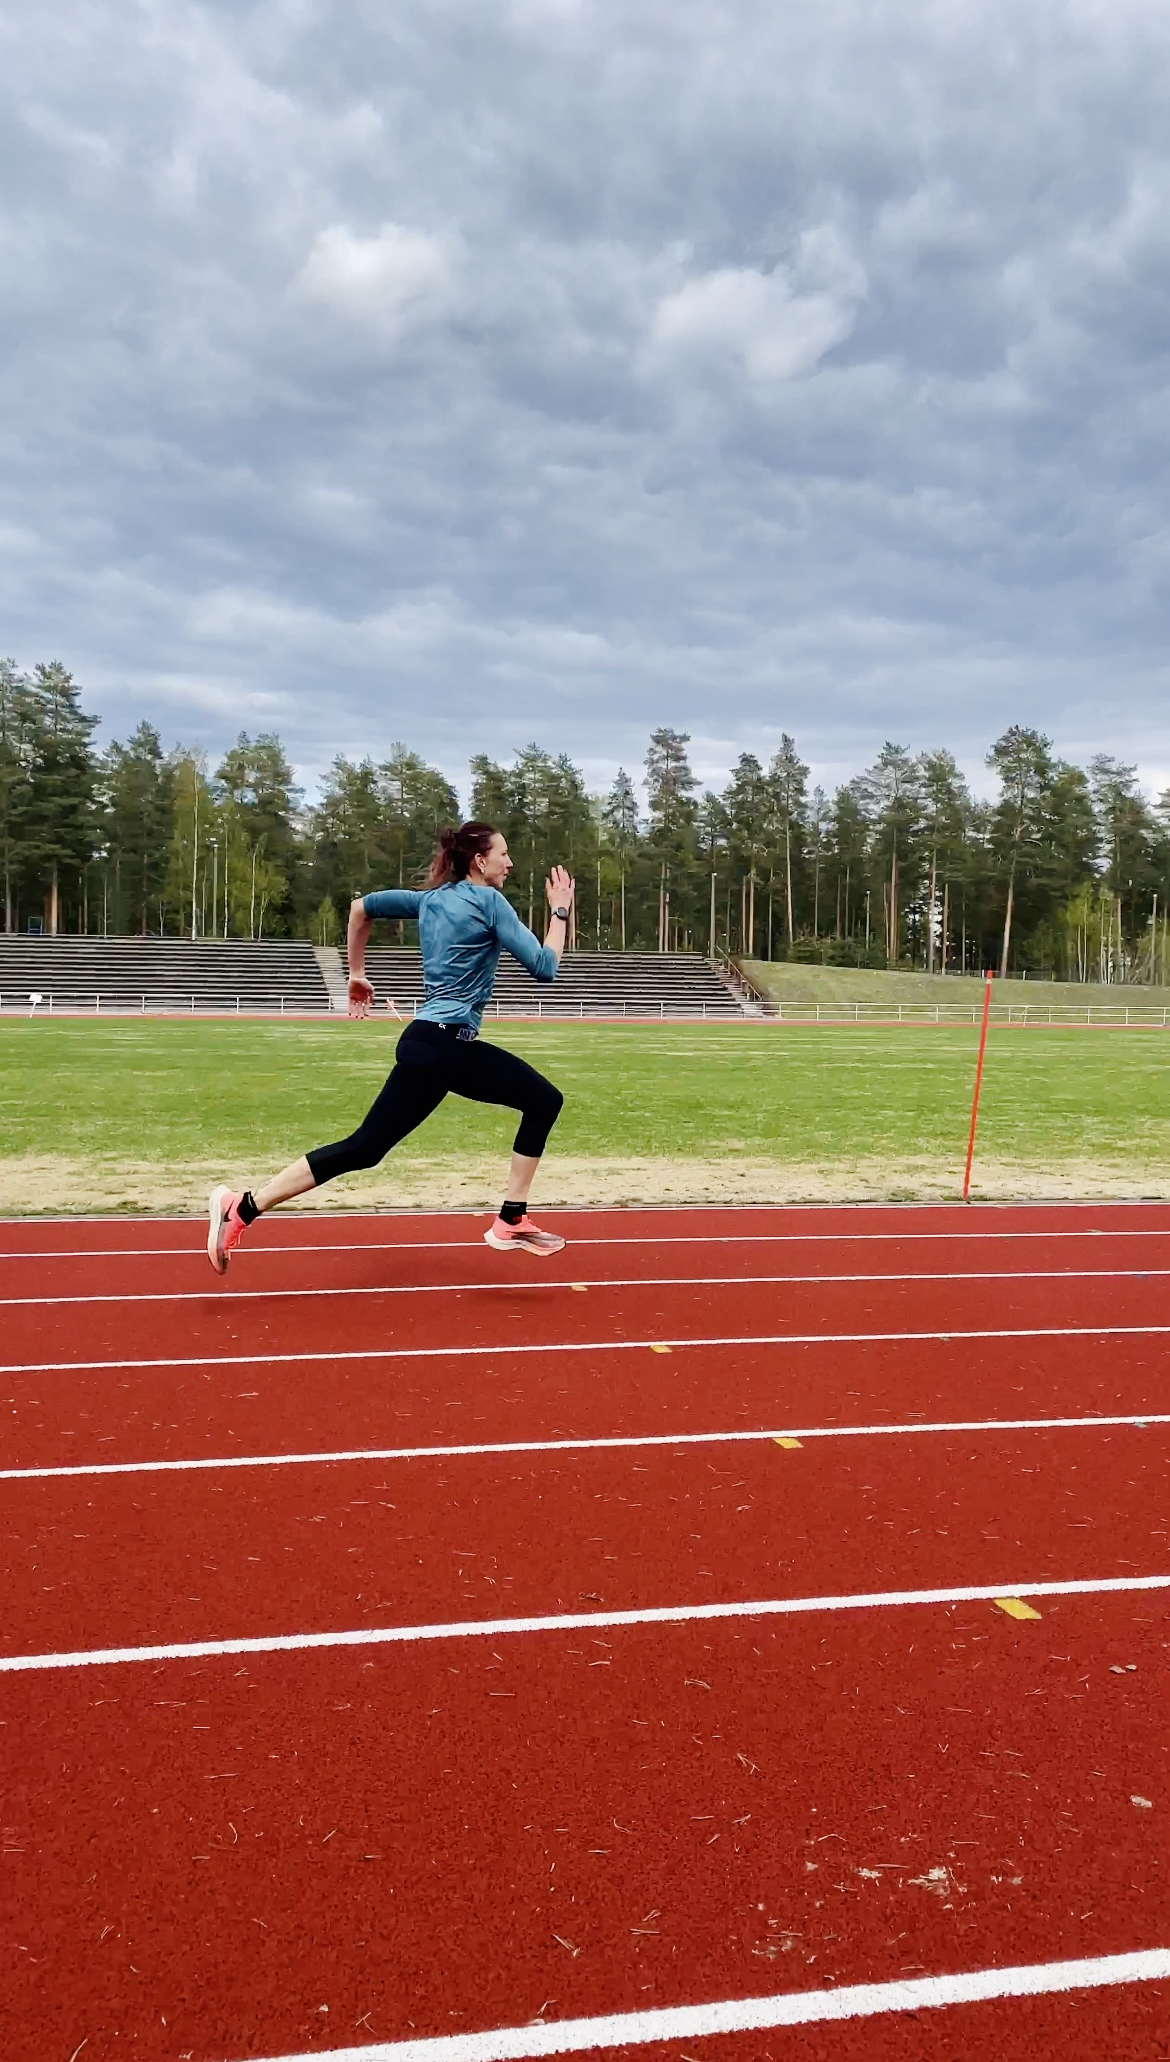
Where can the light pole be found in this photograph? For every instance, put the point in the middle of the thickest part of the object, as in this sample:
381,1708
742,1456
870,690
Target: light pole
214,844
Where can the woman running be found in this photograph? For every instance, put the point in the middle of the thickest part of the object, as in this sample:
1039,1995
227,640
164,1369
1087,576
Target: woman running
464,923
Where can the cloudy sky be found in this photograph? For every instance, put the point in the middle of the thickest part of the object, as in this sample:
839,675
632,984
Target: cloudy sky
468,373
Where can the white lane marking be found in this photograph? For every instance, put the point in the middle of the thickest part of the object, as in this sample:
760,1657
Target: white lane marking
433,1453
667,1281
755,2015
576,1621
744,1238
511,1348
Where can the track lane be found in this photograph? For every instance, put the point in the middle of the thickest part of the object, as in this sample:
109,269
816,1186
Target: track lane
727,1813
309,1227
478,1320
182,1413
131,1561
274,1270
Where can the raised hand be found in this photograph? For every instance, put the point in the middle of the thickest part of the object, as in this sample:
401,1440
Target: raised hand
361,996
560,888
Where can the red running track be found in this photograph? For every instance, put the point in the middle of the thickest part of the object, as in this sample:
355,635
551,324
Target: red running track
202,1853
265,1268
129,1560
313,1228
526,1316
232,1845
95,1416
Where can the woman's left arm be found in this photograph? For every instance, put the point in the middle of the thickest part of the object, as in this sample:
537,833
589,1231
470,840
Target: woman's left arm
539,960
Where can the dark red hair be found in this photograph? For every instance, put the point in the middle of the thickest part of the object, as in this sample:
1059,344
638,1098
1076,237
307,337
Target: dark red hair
457,849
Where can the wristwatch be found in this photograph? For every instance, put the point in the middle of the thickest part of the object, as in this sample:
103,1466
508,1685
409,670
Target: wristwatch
563,914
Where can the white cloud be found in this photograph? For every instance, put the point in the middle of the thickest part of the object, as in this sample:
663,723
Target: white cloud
387,281
777,324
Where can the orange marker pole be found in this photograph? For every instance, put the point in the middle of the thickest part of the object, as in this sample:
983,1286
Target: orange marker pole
978,1085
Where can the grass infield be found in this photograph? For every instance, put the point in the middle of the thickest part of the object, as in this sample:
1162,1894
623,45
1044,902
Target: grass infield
123,1113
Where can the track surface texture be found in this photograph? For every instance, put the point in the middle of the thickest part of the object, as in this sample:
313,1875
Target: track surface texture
418,1653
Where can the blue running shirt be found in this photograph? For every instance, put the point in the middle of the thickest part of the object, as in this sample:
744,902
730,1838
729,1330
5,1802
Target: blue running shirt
462,930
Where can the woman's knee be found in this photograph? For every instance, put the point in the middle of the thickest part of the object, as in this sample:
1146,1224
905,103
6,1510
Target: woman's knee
364,1149
348,1156
547,1106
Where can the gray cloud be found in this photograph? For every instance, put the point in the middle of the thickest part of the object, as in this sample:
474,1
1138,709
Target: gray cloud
468,375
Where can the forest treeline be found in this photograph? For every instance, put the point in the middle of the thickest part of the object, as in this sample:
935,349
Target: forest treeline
1066,871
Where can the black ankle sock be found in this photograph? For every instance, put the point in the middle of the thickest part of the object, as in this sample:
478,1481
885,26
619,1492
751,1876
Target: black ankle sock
246,1209
511,1213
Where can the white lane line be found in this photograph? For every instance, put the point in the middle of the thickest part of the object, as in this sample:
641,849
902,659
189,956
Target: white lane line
446,1453
790,1238
577,1621
511,1348
757,2015
666,1281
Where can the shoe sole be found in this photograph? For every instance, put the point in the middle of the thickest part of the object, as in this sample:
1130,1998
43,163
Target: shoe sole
518,1246
217,1212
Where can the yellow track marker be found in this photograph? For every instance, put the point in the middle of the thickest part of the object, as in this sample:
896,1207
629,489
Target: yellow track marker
789,1445
1015,1607
580,1287
660,1349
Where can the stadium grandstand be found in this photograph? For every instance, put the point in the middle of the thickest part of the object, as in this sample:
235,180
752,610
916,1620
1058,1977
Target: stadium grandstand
212,977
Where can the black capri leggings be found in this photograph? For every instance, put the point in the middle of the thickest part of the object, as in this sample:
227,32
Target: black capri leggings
431,1062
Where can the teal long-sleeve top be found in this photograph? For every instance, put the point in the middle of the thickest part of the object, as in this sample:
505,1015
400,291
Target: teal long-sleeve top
462,930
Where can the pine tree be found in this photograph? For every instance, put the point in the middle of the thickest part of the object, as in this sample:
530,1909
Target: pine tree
671,787
60,817
788,780
747,804
619,816
136,791
1022,759
262,856
890,791
946,808
17,751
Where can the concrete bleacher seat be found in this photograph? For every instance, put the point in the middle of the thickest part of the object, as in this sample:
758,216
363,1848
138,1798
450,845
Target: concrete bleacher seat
589,984
153,974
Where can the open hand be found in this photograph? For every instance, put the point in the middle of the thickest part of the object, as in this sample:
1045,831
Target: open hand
361,996
559,888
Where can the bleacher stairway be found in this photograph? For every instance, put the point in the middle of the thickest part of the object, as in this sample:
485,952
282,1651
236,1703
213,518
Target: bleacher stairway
285,976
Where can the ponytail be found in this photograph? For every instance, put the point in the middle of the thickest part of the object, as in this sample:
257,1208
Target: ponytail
457,849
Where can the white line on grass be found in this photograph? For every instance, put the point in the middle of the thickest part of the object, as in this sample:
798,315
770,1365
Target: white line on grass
511,1348
577,1621
669,1281
845,1238
664,1439
756,2015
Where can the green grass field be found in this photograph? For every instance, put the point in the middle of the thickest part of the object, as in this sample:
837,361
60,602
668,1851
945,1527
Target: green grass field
137,1114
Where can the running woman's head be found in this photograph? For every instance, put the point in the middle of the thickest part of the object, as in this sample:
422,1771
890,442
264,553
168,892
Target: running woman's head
475,852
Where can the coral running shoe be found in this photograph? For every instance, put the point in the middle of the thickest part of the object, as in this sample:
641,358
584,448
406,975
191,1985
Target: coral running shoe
224,1230
524,1237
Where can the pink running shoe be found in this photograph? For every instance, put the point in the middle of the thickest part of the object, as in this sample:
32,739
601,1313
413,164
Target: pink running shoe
224,1229
524,1237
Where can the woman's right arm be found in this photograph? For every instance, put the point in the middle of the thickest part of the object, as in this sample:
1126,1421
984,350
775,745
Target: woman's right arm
362,912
